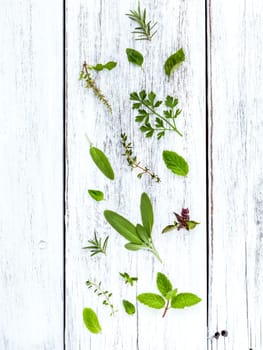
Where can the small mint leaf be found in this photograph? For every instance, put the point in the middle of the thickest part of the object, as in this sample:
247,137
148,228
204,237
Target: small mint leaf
129,307
91,321
152,300
163,284
183,300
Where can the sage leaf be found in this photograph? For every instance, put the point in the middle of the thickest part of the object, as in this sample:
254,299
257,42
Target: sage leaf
102,162
97,195
175,163
109,65
183,300
91,321
142,233
124,227
146,213
152,300
135,57
129,307
163,284
133,246
173,62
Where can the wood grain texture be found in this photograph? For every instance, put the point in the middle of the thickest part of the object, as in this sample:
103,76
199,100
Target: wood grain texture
31,181
236,125
98,31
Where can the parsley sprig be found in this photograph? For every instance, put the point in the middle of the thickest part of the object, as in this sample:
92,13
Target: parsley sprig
147,106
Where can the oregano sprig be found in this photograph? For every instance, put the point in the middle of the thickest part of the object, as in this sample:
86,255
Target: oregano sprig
133,162
128,279
169,297
147,106
144,29
90,84
100,292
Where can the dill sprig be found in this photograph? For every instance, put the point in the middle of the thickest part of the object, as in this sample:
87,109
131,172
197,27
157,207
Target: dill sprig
144,30
132,160
100,292
90,84
96,246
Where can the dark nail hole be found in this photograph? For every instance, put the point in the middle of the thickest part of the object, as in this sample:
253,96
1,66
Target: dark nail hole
216,335
224,333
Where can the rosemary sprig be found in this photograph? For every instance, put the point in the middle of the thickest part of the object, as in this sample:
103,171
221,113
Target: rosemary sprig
148,106
100,292
96,246
90,84
132,160
144,29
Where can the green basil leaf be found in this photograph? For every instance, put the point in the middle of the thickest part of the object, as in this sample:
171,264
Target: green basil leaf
129,307
183,300
102,162
192,224
109,65
135,57
97,195
163,284
133,246
175,163
147,213
169,228
173,62
122,226
152,300
91,321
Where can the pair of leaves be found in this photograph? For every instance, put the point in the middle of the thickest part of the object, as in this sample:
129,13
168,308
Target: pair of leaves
96,195
102,162
169,297
173,62
139,236
91,321
135,57
99,67
175,163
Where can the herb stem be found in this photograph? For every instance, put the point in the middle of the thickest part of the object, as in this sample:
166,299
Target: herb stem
166,308
161,117
155,252
105,294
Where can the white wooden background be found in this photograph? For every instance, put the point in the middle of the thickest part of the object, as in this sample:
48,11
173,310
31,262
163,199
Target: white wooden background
43,267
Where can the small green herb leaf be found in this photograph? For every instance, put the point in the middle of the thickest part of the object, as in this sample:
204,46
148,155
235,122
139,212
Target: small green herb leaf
170,295
122,226
175,163
102,162
169,228
173,62
163,284
133,246
183,300
192,224
142,233
129,307
109,65
97,195
91,321
134,57
146,213
152,300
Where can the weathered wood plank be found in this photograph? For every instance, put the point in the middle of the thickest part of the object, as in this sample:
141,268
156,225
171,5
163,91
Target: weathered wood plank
98,31
236,106
31,181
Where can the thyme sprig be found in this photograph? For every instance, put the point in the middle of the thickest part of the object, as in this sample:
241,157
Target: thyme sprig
97,246
100,292
147,106
132,160
144,29
90,84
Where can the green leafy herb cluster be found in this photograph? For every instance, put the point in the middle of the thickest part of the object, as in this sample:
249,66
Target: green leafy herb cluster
183,222
139,236
169,297
100,292
128,279
144,29
97,246
133,162
147,106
